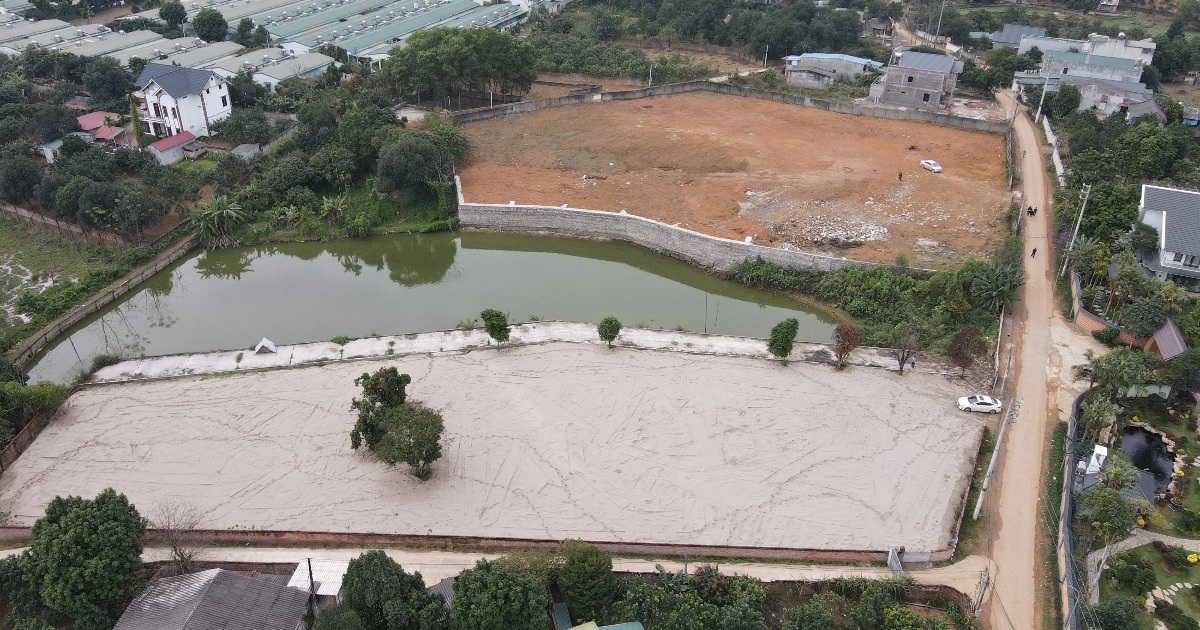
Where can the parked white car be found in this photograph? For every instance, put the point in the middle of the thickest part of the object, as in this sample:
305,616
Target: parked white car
930,165
979,402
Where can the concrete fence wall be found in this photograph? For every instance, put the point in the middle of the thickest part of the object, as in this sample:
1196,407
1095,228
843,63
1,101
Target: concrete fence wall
30,347
716,254
972,124
62,228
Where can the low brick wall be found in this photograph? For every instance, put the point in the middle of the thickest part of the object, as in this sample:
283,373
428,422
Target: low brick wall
1093,323
971,124
715,254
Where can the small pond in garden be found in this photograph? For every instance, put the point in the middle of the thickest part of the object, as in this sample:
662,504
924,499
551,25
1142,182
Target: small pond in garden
1148,452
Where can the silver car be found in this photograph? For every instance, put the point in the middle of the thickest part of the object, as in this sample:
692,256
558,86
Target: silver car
930,165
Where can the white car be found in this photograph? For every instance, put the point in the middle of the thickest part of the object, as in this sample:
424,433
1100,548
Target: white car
930,165
979,402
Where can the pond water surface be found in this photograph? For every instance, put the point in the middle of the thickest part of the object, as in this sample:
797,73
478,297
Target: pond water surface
301,292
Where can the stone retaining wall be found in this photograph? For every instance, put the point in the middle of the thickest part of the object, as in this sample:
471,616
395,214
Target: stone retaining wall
712,253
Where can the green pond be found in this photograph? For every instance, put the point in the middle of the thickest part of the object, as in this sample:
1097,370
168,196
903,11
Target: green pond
300,292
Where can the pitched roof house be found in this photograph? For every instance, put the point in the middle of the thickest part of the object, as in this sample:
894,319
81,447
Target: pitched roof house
1175,214
215,600
173,99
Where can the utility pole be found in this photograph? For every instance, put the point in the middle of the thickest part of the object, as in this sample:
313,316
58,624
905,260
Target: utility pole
1085,193
938,32
1045,84
651,83
768,49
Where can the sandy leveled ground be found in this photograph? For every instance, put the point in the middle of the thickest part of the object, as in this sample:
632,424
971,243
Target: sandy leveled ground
736,167
549,441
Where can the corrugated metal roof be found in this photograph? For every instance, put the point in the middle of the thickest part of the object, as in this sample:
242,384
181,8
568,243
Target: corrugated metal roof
838,56
926,61
1181,211
445,588
174,80
1093,60
327,574
298,65
1011,34
215,600
1169,340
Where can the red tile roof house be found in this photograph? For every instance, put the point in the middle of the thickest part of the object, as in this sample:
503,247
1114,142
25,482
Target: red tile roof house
93,124
170,150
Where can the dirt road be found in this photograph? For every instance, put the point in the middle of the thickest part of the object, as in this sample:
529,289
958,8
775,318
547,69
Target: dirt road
1017,504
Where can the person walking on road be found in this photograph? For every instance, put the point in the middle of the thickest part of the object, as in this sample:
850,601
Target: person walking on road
900,176
1033,254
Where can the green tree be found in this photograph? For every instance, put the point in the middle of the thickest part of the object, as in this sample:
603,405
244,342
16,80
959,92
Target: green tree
995,285
85,558
1116,613
381,390
19,179
965,346
1109,513
244,33
493,596
1183,371
107,80
249,126
605,24
210,25
410,161
906,342
1065,101
783,335
872,606
1121,369
1146,151
608,329
413,436
339,617
496,324
586,579
1096,414
172,13
900,618
811,616
216,222
334,164
386,597
1118,473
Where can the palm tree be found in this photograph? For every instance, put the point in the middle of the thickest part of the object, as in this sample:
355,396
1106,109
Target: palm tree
333,209
996,285
216,222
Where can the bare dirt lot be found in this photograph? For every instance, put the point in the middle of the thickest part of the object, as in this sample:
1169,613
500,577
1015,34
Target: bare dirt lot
548,441
737,167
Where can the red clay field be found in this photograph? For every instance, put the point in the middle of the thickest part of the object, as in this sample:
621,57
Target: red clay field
547,441
736,167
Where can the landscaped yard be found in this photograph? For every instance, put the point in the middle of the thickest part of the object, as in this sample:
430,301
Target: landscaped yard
1164,577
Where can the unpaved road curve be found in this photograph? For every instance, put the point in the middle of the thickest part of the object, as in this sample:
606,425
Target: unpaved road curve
1016,502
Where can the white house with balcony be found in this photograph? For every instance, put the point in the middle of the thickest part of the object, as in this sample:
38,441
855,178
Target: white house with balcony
1175,214
173,99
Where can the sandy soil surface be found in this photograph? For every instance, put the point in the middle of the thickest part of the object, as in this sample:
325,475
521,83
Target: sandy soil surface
549,441
736,167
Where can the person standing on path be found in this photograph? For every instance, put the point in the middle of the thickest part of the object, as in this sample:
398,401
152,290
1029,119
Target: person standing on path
900,176
1033,254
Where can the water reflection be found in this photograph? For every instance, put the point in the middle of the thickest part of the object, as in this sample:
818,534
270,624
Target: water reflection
406,283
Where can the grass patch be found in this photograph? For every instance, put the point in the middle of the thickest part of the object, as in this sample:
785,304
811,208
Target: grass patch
198,169
1052,487
968,532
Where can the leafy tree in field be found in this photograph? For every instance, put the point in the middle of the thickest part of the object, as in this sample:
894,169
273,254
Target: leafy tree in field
1146,151
1109,514
605,24
385,597
1131,572
1116,613
410,161
845,340
586,579
340,617
965,346
445,61
334,164
1066,101
1144,315
19,179
1121,369
172,13
900,618
210,25
783,335
1183,371
107,80
906,342
1118,473
245,127
413,436
496,324
216,222
1095,415
872,606
608,329
811,616
381,390
85,558
493,596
